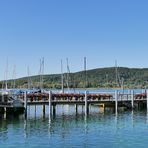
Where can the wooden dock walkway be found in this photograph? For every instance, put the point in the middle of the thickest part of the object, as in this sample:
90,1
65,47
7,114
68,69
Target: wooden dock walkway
116,99
74,98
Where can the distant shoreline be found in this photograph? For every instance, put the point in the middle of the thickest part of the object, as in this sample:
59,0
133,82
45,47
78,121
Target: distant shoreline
95,78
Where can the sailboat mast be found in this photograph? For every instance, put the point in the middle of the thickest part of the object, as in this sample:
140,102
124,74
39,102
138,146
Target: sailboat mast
62,77
43,64
14,76
68,71
6,72
40,73
28,71
116,72
85,72
122,83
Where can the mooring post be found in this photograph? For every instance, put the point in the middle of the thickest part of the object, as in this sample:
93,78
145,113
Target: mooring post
86,104
132,98
25,103
116,101
147,99
50,104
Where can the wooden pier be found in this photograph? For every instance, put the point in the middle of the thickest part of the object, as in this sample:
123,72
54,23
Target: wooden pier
114,100
103,100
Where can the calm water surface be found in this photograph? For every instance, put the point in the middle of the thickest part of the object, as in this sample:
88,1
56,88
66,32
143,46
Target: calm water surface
70,130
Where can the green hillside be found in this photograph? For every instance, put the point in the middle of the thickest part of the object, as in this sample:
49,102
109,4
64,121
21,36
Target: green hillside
96,78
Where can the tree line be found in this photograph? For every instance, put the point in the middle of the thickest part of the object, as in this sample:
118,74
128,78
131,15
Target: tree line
95,78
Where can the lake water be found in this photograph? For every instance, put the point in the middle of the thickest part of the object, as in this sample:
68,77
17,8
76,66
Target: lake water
70,130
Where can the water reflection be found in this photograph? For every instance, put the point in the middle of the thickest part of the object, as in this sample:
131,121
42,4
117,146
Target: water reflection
49,126
25,128
69,129
147,117
116,120
3,130
132,118
86,124
35,112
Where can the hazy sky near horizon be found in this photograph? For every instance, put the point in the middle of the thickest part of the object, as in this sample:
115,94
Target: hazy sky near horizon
101,30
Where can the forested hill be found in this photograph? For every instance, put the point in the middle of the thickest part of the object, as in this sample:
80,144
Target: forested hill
101,77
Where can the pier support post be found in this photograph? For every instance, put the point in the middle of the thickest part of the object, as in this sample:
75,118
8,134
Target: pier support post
5,112
76,108
132,98
43,107
86,104
3,98
50,104
116,101
147,99
25,103
54,110
44,110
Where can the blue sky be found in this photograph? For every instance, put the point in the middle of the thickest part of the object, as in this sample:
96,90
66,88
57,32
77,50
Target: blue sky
101,30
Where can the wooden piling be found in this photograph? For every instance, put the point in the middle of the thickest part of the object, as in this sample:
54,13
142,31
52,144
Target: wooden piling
50,104
25,103
43,107
54,110
44,110
116,101
76,108
86,104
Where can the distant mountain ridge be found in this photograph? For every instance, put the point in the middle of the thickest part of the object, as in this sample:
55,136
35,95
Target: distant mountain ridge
96,78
